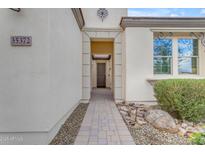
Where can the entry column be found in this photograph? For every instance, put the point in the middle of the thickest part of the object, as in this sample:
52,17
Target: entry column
86,58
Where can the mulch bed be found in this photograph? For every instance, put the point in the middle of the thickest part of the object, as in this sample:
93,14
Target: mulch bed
69,130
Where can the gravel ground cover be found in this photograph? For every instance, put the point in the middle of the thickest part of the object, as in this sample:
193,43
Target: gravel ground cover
148,135
69,130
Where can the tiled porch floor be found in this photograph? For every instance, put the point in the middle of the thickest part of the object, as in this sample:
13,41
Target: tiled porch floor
103,123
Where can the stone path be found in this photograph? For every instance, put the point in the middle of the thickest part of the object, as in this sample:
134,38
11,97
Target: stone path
103,123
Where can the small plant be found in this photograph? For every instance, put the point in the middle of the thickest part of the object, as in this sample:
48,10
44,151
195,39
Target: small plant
198,138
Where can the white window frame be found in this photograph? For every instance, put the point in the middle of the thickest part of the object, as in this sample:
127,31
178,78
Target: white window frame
197,66
171,72
174,59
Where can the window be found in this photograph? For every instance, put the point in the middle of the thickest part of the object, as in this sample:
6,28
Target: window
162,56
176,53
187,56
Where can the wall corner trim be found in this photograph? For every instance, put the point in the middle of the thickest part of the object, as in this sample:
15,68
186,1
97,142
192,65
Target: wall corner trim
77,12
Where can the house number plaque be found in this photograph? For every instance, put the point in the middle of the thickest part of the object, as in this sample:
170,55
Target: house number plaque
21,40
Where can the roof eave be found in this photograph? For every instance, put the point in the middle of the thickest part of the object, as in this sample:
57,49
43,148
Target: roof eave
174,22
77,12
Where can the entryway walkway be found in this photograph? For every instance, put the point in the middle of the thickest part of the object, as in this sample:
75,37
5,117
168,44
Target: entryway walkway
103,123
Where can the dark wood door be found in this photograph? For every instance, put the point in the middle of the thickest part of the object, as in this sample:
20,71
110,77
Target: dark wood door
101,76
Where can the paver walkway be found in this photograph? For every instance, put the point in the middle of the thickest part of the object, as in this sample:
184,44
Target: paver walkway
103,123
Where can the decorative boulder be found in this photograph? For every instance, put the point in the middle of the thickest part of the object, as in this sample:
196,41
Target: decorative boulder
161,120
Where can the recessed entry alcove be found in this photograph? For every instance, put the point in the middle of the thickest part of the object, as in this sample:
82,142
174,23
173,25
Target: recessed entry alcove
102,62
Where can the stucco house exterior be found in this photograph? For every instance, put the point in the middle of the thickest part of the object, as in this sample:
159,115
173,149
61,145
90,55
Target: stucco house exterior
72,51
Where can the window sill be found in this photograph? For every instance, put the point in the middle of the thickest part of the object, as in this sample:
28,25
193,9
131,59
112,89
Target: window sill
155,78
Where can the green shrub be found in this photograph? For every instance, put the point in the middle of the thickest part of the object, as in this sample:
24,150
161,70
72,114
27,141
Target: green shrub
198,138
184,98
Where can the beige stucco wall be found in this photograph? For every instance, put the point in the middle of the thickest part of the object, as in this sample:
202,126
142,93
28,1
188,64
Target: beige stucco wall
65,63
139,64
24,71
111,21
38,84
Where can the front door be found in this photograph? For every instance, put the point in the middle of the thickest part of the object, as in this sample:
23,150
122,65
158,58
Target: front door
101,76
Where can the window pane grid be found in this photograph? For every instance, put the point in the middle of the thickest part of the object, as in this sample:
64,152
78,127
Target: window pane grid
188,65
162,56
163,65
188,56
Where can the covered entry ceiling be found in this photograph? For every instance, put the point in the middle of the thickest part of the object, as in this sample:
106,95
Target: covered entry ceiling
102,47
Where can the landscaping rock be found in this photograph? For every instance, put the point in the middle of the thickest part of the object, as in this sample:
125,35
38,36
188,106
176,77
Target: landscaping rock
161,120
133,112
69,130
176,121
190,124
123,112
133,117
124,108
131,104
184,125
145,133
141,121
191,129
182,131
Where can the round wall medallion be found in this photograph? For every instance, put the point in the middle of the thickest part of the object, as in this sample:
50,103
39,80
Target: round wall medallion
102,13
